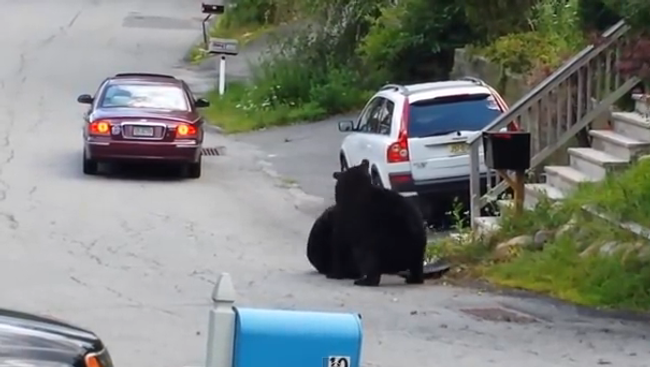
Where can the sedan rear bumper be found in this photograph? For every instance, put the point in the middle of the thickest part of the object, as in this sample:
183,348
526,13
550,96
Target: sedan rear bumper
176,151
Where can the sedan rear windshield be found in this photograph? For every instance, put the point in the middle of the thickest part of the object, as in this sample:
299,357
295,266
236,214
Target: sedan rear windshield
446,115
163,97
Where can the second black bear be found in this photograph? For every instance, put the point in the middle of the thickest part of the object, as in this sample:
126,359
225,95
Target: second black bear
320,245
384,230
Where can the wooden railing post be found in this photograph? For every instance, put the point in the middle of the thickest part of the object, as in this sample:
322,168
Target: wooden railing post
474,182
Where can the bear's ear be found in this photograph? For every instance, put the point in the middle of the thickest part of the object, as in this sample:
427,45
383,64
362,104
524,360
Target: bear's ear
365,163
336,175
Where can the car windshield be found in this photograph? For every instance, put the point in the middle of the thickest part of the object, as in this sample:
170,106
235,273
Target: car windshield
446,115
162,97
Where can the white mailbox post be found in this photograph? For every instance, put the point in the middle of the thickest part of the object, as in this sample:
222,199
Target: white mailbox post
221,324
223,47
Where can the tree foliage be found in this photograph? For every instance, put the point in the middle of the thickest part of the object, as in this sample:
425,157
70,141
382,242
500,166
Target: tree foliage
496,18
415,39
635,59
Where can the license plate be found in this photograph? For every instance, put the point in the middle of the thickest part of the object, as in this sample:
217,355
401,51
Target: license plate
460,148
144,131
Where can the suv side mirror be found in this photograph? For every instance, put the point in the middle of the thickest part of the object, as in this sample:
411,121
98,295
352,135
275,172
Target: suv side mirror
346,126
85,99
202,103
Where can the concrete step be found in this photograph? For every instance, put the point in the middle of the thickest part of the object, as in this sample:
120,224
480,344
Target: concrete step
504,204
566,178
487,225
619,145
537,192
595,163
632,125
641,106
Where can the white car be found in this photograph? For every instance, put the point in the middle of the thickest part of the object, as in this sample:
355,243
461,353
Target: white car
414,137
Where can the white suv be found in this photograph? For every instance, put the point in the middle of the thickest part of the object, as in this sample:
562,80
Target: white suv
414,137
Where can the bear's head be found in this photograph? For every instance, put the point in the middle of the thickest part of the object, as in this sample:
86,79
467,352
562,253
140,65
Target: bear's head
352,183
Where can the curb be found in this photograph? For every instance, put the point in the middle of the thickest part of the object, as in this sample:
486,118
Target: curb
210,127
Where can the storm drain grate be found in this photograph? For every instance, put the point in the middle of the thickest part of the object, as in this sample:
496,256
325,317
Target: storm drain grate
499,315
213,151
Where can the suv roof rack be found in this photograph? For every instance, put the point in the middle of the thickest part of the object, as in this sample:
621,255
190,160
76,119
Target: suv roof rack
473,80
400,88
149,75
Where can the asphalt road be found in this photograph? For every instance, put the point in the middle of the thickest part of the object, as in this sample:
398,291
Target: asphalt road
133,257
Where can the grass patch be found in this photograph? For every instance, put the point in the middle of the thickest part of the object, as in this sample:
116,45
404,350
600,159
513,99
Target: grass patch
584,259
561,271
236,112
625,197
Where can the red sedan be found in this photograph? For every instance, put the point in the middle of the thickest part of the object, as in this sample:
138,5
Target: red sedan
143,117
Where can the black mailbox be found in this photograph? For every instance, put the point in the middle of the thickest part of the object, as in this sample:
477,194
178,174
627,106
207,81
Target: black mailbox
508,150
213,8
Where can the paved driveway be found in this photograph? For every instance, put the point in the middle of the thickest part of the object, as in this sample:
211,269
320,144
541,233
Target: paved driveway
305,154
133,258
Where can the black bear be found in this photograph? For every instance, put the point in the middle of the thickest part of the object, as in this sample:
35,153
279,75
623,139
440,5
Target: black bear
320,245
383,229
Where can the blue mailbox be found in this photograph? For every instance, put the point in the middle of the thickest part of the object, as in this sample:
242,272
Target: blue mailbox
279,338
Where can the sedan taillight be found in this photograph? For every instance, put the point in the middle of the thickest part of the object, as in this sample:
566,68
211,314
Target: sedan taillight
100,127
186,131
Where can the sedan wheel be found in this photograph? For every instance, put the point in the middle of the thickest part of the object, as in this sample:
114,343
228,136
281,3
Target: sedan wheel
194,169
90,166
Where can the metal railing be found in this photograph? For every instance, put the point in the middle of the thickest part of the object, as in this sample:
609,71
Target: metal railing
558,108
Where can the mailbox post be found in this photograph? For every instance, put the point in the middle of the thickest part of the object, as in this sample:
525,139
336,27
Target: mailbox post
221,324
223,47
509,151
210,8
218,46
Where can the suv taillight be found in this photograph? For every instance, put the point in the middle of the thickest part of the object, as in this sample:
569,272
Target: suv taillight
398,151
100,128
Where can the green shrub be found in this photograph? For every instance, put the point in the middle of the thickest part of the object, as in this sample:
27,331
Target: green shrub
561,271
596,15
520,52
625,196
635,12
492,19
559,21
258,12
415,40
554,34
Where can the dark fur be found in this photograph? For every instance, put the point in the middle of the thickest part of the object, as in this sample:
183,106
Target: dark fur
320,244
384,230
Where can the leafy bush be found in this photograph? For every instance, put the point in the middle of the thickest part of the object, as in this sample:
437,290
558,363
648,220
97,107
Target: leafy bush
595,15
636,54
520,52
415,40
635,12
559,21
492,19
554,34
258,12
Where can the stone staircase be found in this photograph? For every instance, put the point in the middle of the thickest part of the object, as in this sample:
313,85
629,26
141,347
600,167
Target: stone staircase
612,150
581,91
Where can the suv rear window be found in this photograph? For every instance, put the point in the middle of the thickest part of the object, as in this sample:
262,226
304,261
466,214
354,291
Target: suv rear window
446,115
